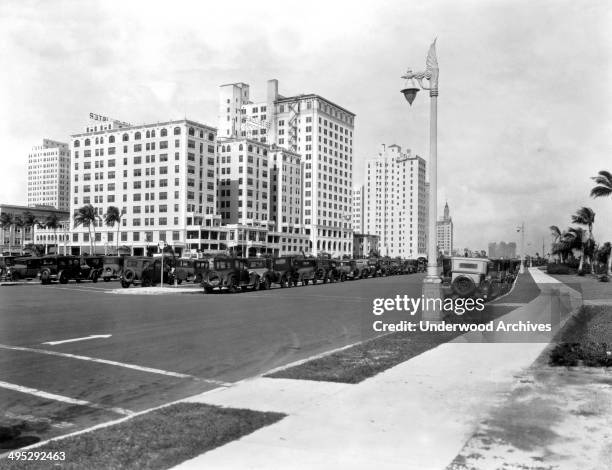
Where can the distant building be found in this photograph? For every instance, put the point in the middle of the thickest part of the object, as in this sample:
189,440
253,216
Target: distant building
14,237
394,206
49,175
445,232
364,245
358,208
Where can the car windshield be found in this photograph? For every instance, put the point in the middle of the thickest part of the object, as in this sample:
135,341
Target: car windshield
256,263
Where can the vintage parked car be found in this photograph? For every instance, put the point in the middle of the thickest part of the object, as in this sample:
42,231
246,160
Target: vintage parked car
229,273
199,267
259,267
304,270
327,270
348,270
63,269
133,266
184,269
92,267
280,271
112,267
470,277
151,273
23,268
363,269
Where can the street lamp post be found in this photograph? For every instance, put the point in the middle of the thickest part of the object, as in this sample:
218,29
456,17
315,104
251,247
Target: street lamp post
432,287
522,230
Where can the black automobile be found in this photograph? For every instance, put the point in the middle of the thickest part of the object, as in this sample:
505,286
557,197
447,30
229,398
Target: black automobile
63,269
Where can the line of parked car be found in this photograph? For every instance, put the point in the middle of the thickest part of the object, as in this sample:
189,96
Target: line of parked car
221,272
464,277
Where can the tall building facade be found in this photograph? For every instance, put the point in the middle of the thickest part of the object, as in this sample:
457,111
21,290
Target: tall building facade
161,177
259,191
358,208
49,175
395,202
445,232
318,130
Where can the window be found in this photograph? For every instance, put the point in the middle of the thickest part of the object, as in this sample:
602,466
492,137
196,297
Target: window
137,136
111,139
177,131
163,133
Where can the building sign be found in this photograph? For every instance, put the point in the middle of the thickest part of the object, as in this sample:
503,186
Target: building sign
97,117
100,118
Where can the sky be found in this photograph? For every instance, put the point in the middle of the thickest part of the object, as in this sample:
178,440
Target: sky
524,110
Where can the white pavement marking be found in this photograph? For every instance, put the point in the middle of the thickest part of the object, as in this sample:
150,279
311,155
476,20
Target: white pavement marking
63,399
73,340
113,363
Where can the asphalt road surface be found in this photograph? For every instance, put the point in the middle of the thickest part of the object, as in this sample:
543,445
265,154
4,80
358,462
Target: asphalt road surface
162,347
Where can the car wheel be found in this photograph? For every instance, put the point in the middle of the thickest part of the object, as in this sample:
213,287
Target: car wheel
146,282
208,290
125,284
94,277
198,279
63,278
178,281
266,283
463,286
342,277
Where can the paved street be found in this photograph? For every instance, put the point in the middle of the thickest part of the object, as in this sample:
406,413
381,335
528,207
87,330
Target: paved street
163,347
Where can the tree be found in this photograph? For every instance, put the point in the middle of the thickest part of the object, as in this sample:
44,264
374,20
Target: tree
604,255
87,217
29,221
577,239
113,215
7,220
556,234
52,222
18,223
604,184
586,216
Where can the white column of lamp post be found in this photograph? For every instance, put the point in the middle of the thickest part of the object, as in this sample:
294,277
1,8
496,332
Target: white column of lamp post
432,287
521,229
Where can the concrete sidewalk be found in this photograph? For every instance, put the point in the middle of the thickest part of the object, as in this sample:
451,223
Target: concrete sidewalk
417,415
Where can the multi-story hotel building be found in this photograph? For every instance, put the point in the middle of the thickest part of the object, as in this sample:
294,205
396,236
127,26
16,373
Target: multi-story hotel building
395,202
49,175
445,232
259,190
358,208
322,133
160,176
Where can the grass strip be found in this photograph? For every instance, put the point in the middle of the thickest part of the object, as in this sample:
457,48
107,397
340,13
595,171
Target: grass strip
365,360
586,339
159,439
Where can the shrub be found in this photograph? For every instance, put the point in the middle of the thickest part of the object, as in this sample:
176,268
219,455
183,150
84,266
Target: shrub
557,268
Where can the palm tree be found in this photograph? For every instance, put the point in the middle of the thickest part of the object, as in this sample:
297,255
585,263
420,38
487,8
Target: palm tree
18,223
604,255
30,221
113,215
586,216
604,184
7,220
556,234
53,222
577,239
87,217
